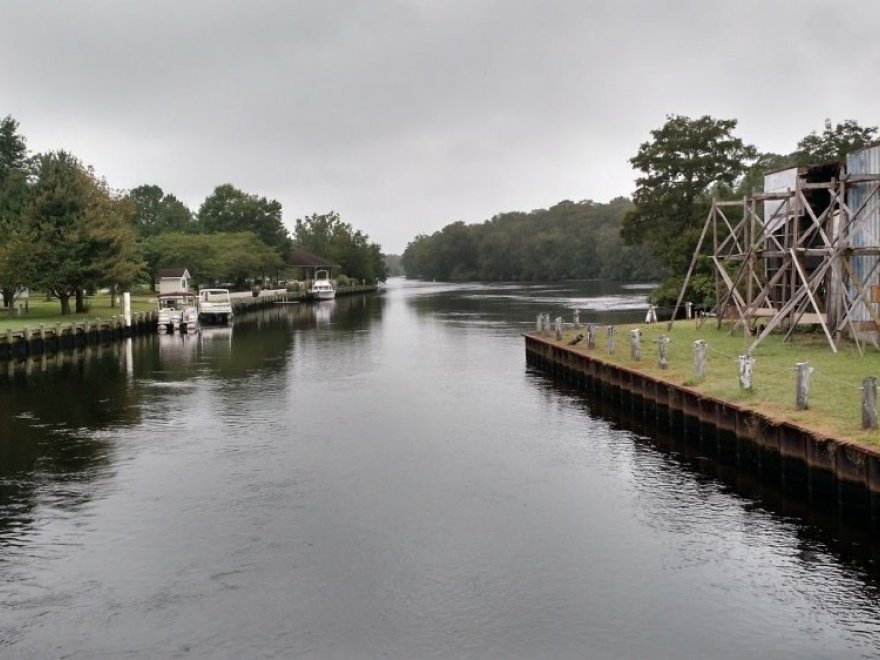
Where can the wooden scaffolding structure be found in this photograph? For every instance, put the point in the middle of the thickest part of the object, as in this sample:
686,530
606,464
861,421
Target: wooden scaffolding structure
806,255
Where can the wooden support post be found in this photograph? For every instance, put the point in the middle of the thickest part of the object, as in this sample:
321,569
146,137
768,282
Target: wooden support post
557,322
539,324
591,335
635,349
577,319
700,359
869,403
662,342
651,316
802,385
610,340
746,364
689,311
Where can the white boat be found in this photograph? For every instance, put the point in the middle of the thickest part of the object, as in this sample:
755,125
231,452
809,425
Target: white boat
215,306
322,289
178,311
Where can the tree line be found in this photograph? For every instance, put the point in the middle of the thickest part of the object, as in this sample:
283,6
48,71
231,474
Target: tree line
67,232
687,163
570,240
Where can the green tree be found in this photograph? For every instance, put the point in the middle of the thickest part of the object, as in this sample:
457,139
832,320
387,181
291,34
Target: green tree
155,212
85,236
228,209
16,246
218,257
834,142
327,235
684,158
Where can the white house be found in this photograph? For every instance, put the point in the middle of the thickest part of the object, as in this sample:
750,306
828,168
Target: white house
172,280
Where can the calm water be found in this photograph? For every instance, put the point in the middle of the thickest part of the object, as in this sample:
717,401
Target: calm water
384,477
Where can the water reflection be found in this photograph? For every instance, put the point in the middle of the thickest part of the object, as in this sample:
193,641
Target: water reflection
685,481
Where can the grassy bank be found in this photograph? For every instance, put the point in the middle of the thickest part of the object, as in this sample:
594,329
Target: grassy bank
835,385
40,310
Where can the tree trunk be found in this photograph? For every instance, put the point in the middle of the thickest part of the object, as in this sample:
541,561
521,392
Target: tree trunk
8,297
113,296
65,303
80,301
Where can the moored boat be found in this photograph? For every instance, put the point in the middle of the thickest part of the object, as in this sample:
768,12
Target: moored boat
177,311
215,306
322,288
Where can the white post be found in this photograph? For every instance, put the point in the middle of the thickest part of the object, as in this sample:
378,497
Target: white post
651,316
610,340
540,323
591,335
802,384
662,342
700,359
869,403
746,364
690,311
635,350
557,322
126,308
577,319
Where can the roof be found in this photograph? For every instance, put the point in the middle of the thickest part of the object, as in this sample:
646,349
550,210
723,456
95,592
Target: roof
178,271
304,259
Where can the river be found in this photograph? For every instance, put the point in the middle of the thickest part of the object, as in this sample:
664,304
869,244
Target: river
383,477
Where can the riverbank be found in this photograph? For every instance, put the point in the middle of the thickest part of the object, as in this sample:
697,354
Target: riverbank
835,384
827,438
38,328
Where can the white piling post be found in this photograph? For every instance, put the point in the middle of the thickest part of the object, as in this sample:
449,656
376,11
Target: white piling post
802,385
577,319
700,359
557,322
745,365
662,342
689,310
591,335
610,341
635,349
869,403
539,324
126,308
651,316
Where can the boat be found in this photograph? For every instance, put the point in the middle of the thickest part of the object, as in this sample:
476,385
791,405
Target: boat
215,306
178,310
322,289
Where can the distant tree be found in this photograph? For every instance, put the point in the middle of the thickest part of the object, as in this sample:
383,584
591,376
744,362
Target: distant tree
393,265
218,257
328,236
228,209
570,240
155,212
678,166
834,142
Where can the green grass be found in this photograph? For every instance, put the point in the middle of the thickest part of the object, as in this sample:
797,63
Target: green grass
835,385
48,312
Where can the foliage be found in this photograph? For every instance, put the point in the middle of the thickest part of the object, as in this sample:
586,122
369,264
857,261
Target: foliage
85,235
685,158
16,248
834,143
328,236
155,212
212,258
393,265
230,210
571,240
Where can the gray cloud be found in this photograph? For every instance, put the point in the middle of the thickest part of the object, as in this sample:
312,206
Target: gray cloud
407,115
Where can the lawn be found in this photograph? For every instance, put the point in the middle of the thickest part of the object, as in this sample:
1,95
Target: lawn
835,384
40,310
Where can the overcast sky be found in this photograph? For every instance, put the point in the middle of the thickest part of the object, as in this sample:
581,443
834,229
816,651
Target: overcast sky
407,115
